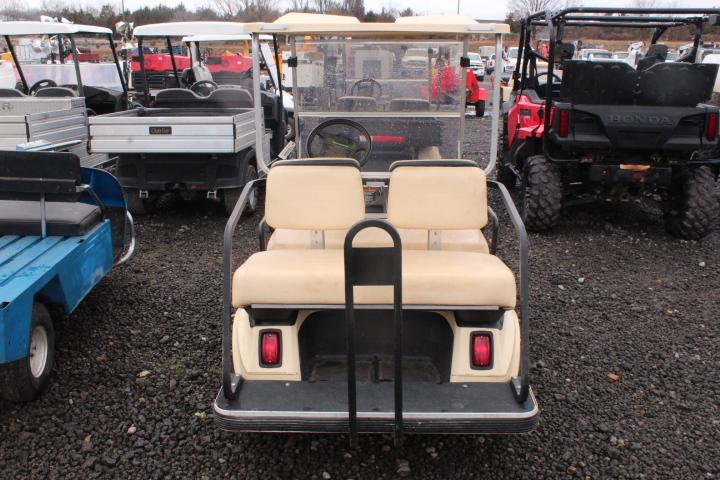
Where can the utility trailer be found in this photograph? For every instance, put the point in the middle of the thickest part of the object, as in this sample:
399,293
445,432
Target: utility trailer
49,108
62,229
378,301
577,130
204,139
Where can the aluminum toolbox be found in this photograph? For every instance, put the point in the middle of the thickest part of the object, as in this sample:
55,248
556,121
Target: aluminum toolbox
173,130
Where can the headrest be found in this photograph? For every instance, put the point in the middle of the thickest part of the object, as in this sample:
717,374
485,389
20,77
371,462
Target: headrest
201,73
314,194
657,50
11,92
172,97
230,98
437,195
564,51
55,92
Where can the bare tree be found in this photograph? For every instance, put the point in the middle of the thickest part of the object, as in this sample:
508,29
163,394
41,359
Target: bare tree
327,6
248,10
228,8
521,8
299,5
356,8
13,10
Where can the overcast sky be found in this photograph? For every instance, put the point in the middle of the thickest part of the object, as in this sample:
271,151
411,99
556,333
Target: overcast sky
482,9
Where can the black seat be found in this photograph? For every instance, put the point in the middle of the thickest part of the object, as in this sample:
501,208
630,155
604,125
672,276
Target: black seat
62,218
11,92
26,177
221,98
655,54
55,92
230,98
175,98
354,103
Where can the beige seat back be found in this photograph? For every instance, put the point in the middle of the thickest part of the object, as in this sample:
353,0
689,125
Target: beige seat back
437,195
315,195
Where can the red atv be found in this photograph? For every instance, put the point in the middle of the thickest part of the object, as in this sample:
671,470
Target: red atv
576,131
476,95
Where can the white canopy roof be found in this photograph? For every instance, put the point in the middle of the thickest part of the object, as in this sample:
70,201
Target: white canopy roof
224,38
313,23
48,28
183,29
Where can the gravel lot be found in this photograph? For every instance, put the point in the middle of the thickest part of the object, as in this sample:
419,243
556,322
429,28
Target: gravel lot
625,337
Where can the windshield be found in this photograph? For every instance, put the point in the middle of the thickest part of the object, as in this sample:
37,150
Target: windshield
513,52
52,58
474,57
408,95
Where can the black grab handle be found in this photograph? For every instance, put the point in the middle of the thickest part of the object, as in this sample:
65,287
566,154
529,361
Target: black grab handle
373,266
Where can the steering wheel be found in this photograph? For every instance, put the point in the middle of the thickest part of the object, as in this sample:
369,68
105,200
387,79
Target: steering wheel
340,138
200,89
40,84
373,84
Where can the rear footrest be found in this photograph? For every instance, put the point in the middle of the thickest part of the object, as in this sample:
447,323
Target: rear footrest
477,408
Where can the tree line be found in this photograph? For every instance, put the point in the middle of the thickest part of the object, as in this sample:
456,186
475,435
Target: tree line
107,15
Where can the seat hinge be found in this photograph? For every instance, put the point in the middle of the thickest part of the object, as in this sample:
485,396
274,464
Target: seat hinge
317,239
434,241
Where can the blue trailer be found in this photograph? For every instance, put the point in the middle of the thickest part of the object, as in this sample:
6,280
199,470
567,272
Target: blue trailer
62,229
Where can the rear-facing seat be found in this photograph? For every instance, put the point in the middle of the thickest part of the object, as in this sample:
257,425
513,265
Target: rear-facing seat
322,196
464,240
24,176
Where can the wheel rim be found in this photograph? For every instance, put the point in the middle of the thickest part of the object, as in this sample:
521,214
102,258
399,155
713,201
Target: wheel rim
253,200
38,351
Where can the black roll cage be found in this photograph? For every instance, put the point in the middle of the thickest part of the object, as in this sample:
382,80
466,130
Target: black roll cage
660,19
62,54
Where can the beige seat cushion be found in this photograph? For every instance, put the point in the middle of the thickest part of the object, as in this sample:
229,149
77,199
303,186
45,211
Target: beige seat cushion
437,197
451,240
314,197
316,277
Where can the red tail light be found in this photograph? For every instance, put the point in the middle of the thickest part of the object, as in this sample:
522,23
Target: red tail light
711,126
270,349
481,346
564,123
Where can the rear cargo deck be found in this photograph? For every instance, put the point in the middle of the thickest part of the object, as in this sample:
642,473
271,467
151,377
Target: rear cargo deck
478,408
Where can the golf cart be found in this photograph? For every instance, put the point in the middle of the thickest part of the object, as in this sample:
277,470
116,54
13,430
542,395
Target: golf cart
376,304
62,229
614,131
48,107
202,138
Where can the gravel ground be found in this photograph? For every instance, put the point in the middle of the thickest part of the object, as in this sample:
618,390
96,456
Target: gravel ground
624,350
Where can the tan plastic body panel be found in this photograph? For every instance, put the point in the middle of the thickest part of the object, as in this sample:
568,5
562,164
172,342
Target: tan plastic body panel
506,350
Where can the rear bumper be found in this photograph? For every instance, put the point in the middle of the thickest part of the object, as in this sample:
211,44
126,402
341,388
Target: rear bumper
162,172
470,408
